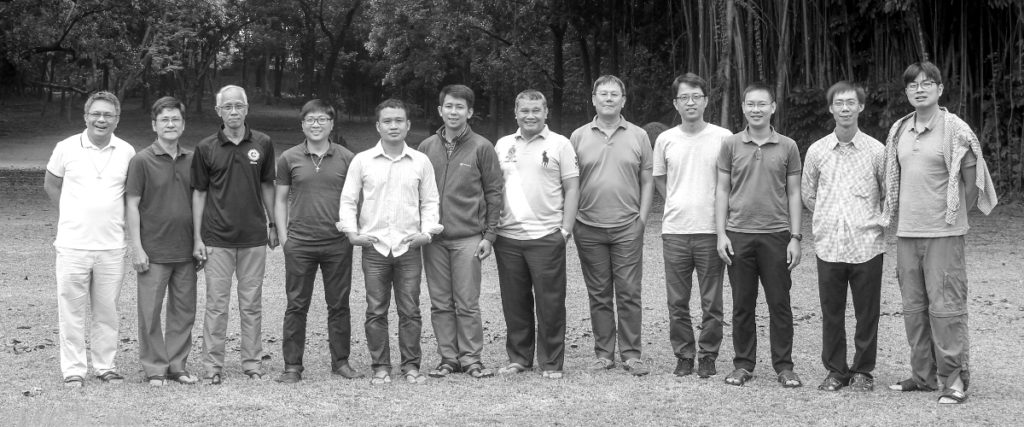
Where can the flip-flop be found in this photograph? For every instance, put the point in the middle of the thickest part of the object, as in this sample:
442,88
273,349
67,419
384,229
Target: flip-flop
414,377
380,378
789,379
512,368
74,381
552,375
908,385
953,394
477,370
739,377
442,370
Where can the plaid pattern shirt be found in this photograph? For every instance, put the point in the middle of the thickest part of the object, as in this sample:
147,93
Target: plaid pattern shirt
843,186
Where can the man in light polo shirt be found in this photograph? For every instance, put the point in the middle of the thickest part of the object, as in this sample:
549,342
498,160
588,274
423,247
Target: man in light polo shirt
310,177
757,218
232,202
469,181
159,213
85,177
616,189
935,173
842,185
685,172
397,216
541,195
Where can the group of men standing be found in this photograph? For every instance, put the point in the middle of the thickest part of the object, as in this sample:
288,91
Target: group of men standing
732,203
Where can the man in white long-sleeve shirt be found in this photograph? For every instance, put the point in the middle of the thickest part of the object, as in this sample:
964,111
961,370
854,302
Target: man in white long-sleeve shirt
399,214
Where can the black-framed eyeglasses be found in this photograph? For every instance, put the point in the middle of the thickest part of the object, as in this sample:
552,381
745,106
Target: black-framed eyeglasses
322,120
686,98
925,85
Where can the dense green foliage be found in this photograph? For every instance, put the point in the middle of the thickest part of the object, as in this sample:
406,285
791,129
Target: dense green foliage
358,51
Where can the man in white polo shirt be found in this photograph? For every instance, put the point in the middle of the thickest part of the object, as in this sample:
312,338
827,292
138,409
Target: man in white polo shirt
85,177
541,196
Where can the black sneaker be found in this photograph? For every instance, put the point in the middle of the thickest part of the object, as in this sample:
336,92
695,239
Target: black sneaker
684,367
706,367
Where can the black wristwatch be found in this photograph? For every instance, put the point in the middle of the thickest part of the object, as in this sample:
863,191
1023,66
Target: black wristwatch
271,225
799,237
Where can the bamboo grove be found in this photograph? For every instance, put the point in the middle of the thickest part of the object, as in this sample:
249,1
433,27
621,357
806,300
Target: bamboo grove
357,51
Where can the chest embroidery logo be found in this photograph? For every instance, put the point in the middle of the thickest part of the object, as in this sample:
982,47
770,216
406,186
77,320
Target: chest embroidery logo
511,156
544,158
254,155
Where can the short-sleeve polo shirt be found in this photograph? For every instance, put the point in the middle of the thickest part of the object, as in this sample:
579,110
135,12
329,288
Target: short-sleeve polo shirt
758,199
163,184
92,192
610,168
231,175
314,192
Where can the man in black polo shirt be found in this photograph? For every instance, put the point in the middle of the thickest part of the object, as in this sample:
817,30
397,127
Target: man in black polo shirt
159,214
233,179
311,175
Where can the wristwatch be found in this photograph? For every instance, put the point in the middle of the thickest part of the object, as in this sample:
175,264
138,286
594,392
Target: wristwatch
566,234
430,237
271,225
799,237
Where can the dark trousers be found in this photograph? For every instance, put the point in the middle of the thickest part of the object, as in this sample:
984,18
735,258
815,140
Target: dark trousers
301,259
685,253
612,262
761,257
531,273
163,352
865,284
382,273
933,282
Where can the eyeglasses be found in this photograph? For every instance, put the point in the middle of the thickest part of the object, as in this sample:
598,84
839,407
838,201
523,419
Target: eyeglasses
322,120
848,103
925,85
233,107
759,105
105,116
168,120
686,98
612,95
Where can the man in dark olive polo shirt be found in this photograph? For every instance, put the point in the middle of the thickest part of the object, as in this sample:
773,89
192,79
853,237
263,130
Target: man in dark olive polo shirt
310,177
233,179
159,214
757,219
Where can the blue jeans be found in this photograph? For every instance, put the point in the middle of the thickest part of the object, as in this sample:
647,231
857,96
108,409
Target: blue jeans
685,253
382,273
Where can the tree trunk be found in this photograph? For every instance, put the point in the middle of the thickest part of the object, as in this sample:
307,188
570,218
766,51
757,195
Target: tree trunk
278,76
782,64
725,63
581,40
558,62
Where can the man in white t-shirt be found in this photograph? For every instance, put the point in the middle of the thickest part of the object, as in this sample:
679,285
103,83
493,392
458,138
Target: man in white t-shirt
85,177
685,173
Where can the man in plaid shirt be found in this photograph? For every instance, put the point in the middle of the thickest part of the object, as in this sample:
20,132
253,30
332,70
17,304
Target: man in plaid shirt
843,178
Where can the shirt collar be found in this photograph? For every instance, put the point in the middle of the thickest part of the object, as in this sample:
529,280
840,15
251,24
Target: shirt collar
224,138
378,150
932,123
772,139
87,143
622,123
458,138
159,150
542,135
305,149
858,140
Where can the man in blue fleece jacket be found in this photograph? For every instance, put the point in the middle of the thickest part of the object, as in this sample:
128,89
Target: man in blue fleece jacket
470,183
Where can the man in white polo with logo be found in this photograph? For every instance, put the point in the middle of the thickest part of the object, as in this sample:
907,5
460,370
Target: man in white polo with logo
85,177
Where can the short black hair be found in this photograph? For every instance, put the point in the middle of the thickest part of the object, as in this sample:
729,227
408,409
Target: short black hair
531,95
457,91
929,69
753,87
391,103
317,106
167,103
845,86
689,79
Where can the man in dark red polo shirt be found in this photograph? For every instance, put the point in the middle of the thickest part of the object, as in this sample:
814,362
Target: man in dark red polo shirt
232,206
310,177
159,214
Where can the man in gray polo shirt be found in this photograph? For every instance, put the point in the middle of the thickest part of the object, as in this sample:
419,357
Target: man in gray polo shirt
616,189
159,214
310,177
757,217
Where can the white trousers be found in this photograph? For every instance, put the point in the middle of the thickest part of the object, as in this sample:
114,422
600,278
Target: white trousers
88,282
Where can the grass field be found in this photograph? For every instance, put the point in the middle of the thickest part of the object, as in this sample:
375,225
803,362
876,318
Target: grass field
31,391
